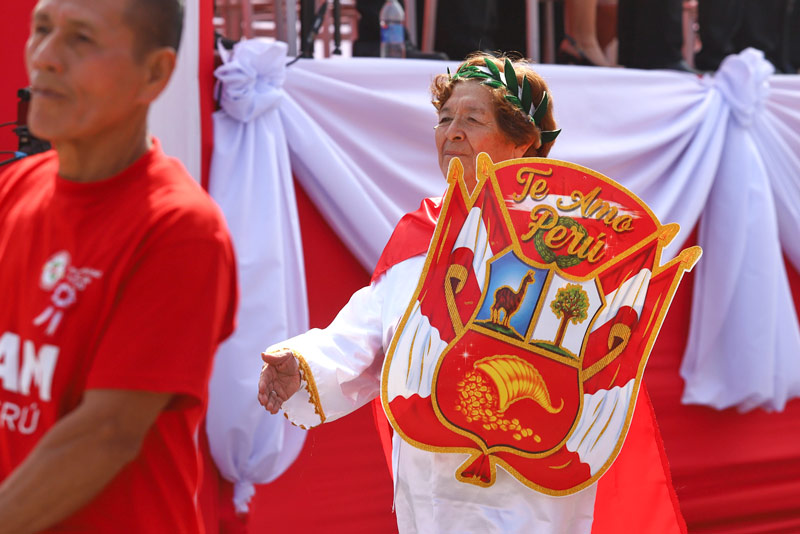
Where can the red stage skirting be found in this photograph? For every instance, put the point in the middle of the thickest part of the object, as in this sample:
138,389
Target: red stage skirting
733,473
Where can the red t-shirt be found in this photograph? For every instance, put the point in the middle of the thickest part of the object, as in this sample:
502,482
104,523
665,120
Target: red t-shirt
127,283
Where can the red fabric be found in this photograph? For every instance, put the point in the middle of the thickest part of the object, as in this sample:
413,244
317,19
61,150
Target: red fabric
209,498
124,307
636,493
411,236
734,473
205,75
14,27
215,498
385,431
794,283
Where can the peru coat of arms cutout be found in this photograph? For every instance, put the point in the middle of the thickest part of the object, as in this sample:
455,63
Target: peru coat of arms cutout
526,339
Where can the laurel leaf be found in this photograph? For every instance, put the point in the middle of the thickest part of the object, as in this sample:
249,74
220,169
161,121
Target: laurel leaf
462,72
548,256
514,100
550,136
567,261
511,78
492,69
527,99
541,109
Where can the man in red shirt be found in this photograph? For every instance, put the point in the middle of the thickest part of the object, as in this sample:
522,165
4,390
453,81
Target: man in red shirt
117,282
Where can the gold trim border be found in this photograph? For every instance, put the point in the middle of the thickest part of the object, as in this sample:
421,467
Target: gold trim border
311,385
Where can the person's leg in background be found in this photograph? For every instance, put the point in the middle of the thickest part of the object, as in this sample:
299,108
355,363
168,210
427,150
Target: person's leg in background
626,30
580,45
792,36
464,27
762,28
718,21
607,29
511,30
651,34
369,28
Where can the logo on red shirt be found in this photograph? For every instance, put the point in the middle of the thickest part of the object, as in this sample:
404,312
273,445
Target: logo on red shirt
65,281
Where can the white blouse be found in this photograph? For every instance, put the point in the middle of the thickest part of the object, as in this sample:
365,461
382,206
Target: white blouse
341,367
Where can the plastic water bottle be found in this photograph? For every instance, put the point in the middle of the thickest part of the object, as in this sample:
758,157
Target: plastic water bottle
393,41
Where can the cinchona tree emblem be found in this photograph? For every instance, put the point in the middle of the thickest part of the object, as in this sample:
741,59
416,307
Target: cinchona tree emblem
570,304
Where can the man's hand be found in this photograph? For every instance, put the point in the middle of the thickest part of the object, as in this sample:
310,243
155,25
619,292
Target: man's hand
280,379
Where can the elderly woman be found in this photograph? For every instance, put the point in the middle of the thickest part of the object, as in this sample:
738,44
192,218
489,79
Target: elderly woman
325,374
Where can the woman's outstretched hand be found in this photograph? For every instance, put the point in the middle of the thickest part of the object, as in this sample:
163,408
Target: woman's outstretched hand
280,378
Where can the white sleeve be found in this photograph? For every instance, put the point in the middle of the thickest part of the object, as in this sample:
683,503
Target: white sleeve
341,365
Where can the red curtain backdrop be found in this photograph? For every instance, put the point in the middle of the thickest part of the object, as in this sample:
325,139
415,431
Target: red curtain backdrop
14,27
205,75
733,473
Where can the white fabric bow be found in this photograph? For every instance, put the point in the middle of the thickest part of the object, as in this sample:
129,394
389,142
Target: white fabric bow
250,82
251,179
743,81
744,343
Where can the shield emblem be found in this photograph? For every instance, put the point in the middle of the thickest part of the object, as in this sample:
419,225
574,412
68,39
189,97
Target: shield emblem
526,339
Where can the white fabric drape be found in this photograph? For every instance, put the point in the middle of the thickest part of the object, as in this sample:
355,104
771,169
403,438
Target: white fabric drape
247,444
175,116
726,146
746,347
360,135
251,180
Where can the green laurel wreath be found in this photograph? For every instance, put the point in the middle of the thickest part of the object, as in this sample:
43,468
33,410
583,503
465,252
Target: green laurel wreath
548,256
522,100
